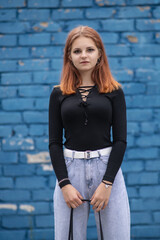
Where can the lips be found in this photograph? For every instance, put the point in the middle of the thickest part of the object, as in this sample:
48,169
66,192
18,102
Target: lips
85,62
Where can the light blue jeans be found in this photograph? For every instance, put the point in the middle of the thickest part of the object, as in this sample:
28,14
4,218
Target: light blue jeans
85,175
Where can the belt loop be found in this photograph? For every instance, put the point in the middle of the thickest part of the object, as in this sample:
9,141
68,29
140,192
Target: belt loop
99,153
73,153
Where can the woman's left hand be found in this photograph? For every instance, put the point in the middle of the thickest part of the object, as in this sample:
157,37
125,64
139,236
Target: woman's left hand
100,197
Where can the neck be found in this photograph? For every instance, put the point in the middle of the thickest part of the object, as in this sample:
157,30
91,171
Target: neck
86,79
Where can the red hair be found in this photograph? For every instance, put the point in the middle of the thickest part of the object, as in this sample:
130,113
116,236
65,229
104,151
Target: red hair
101,75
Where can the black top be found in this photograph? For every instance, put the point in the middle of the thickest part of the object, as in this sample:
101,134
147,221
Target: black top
87,124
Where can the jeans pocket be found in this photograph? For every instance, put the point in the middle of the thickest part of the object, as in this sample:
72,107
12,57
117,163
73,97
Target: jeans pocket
68,161
102,162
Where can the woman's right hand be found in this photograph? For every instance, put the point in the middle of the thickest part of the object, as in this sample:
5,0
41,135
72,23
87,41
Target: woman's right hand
71,196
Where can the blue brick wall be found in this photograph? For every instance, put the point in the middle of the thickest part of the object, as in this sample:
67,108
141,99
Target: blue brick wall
32,38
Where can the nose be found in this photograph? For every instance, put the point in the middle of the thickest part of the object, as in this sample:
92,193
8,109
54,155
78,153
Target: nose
83,54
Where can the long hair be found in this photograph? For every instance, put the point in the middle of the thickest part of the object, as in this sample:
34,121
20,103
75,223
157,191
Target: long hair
101,75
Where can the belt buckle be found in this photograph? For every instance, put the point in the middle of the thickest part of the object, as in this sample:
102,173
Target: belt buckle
87,154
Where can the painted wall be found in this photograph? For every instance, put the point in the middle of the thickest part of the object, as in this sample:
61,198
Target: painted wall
32,37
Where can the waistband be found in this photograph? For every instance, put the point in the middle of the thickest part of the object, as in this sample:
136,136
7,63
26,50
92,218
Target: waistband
87,154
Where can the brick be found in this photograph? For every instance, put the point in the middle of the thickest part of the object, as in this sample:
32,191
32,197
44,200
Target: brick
12,234
70,24
43,195
44,221
145,204
34,39
20,130
125,75
142,153
142,101
15,195
39,208
156,12
33,65
33,14
157,62
18,104
46,77
59,38
16,222
14,27
137,37
8,65
135,62
41,143
14,53
142,178
147,50
134,12
8,40
133,166
146,231
139,115
36,130
156,216
143,2
49,26
134,88
118,50
116,25
149,191
153,88
109,37
41,104
43,4
34,91
148,127
64,14
49,52
71,3
17,143
30,182
8,157
141,218
6,92
133,128
95,13
132,192
20,170
56,64
148,141
5,131
110,2
147,74
7,15
147,25
6,182
8,209
9,117
152,165
35,117
46,234
16,78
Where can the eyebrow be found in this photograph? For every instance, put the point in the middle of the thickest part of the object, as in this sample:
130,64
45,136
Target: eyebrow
87,47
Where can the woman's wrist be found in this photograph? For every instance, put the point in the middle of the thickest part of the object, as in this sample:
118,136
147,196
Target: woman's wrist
107,182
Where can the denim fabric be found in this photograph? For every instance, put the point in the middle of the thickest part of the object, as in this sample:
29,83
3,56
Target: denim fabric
85,175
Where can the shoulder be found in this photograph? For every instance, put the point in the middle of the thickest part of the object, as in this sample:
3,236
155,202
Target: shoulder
117,93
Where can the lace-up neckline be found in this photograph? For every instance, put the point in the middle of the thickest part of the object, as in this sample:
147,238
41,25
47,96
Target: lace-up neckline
83,90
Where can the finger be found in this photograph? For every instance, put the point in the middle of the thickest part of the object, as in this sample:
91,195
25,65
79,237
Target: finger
96,205
73,205
105,204
99,207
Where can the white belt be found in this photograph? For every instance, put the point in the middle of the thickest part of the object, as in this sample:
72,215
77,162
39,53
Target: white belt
86,154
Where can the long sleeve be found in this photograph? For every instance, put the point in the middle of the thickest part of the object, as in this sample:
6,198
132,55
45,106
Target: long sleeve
119,133
55,139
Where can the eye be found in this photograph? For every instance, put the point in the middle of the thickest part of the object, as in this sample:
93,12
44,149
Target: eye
90,49
76,51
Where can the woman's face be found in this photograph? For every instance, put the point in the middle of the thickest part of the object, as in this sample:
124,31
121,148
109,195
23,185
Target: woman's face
84,54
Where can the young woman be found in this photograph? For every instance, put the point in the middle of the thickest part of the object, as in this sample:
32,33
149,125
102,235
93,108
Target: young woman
86,104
